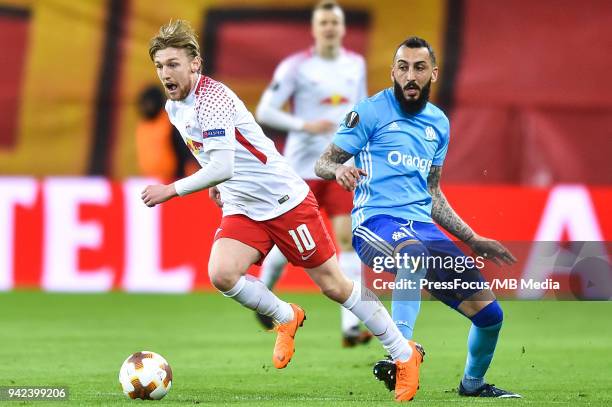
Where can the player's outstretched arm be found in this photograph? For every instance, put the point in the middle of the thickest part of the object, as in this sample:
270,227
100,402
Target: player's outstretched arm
156,194
331,166
444,215
269,114
270,107
220,168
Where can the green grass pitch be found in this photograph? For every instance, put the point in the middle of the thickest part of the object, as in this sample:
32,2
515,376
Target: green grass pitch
554,353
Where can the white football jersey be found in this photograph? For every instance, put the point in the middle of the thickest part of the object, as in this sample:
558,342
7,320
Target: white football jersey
317,89
212,117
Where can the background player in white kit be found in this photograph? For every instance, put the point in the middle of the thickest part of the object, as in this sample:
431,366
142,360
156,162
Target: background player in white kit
264,203
322,82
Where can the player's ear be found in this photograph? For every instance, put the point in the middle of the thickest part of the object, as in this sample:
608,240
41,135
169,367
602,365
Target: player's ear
434,74
392,72
196,64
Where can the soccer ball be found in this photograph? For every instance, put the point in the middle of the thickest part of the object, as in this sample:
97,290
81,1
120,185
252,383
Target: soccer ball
145,375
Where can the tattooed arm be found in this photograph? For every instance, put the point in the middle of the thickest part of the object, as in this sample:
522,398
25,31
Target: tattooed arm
444,215
331,166
332,158
441,211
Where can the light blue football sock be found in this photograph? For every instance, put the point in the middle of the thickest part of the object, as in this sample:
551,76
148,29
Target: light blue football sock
481,347
406,302
404,315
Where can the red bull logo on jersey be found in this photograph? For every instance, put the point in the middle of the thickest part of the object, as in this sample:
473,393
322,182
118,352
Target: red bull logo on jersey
396,158
335,100
194,146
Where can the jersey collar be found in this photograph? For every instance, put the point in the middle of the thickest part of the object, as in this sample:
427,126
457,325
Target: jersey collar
197,89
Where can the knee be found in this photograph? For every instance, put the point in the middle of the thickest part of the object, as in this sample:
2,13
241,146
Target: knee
334,293
412,247
336,287
491,314
222,282
223,274
416,250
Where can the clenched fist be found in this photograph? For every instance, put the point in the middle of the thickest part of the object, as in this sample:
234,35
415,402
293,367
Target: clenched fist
156,194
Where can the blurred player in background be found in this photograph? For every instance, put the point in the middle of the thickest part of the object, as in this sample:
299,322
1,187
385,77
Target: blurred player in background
400,141
322,82
160,150
264,203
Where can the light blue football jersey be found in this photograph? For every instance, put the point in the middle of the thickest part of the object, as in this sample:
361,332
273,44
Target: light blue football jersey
397,151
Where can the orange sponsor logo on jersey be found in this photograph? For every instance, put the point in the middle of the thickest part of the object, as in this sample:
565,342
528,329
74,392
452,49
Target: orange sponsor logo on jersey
335,100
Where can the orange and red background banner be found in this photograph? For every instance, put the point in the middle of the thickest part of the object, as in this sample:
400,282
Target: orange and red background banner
91,234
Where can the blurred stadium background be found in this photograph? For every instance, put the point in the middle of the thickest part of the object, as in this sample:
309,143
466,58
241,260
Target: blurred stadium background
525,84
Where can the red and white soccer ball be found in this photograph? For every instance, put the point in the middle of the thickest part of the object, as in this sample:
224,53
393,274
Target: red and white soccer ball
145,375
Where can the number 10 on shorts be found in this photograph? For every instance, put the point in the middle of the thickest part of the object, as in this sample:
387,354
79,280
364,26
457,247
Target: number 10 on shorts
302,238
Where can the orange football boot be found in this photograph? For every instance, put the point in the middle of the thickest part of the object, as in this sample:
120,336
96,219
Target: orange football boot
407,374
285,338
362,339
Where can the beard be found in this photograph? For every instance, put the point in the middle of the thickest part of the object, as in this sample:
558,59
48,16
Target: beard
412,107
181,94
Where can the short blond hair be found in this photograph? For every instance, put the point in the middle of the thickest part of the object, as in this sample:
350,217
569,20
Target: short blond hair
175,34
327,5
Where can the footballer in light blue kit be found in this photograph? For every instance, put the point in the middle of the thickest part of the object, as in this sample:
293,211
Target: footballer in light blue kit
399,141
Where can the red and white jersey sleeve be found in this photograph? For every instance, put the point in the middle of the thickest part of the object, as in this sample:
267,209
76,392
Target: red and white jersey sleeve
317,88
212,117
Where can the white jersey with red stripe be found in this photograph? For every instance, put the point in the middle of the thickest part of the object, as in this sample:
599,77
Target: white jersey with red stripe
212,117
318,89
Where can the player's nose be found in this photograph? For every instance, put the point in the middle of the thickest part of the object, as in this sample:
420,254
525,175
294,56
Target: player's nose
410,75
165,73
